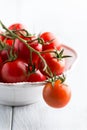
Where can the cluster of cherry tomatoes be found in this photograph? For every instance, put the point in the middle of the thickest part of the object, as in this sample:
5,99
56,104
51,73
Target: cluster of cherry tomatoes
26,57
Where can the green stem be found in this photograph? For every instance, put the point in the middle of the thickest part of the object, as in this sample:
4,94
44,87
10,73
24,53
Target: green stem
30,60
47,51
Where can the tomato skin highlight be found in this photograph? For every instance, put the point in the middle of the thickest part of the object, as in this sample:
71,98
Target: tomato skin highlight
56,96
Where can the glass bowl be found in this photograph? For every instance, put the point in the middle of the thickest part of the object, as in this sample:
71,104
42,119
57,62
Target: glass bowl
23,93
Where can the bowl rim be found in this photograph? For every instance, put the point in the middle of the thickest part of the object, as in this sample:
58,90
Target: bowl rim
21,84
70,48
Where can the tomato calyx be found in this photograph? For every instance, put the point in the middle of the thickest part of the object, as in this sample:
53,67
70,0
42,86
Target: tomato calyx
61,79
56,95
31,68
54,57
60,54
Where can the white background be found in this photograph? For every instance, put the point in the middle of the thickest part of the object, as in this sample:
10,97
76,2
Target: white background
68,20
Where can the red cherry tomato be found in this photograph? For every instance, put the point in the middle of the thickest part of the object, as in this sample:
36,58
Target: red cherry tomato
14,71
37,76
24,52
55,65
4,54
57,95
16,26
50,41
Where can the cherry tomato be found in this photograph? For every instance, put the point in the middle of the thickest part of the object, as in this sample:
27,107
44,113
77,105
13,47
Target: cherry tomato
24,52
19,28
50,41
56,66
6,40
4,55
37,76
57,95
14,71
16,26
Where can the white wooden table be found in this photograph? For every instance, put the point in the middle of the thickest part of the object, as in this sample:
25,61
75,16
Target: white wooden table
39,116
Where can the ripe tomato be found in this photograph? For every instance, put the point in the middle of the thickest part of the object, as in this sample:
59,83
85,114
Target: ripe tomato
16,26
50,41
37,76
14,71
24,52
57,95
4,54
19,28
6,40
55,65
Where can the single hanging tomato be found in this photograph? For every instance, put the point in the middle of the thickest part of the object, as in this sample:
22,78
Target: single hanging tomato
56,95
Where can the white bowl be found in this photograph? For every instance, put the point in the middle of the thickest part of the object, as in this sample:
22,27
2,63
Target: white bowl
23,93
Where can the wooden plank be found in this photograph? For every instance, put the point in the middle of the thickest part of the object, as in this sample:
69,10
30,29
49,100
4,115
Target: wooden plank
39,116
5,117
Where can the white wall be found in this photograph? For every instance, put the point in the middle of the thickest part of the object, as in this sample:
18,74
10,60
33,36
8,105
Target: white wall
68,20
